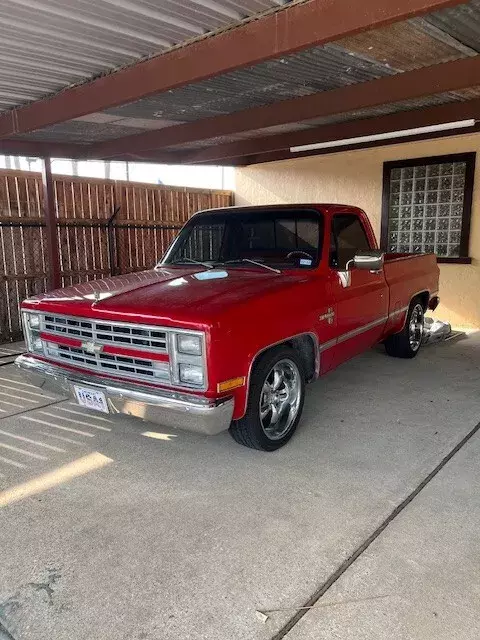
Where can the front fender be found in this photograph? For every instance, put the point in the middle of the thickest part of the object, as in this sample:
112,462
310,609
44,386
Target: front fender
241,393
248,330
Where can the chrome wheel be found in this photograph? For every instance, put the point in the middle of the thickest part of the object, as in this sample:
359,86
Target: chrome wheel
280,399
415,328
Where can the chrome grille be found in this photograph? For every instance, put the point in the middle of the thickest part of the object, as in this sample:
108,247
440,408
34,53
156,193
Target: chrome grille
107,333
100,345
68,327
109,363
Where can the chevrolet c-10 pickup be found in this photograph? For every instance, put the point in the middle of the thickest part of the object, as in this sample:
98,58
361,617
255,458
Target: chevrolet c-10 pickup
248,305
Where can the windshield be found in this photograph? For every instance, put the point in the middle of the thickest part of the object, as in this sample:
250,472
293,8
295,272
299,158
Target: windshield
278,238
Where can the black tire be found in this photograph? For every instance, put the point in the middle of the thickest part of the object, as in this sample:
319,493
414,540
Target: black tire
400,344
249,430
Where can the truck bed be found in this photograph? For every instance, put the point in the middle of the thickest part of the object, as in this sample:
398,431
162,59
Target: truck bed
407,275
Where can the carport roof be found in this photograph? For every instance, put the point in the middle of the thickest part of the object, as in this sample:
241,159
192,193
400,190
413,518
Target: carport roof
229,82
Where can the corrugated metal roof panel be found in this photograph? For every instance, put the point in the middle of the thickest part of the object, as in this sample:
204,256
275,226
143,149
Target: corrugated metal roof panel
462,23
47,45
403,46
317,69
282,128
211,142
394,107
245,135
76,131
468,94
97,127
304,73
405,105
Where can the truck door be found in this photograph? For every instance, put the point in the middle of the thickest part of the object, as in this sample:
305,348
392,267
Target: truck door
361,297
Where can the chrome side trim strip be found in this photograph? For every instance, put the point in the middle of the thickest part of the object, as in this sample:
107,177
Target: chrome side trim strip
359,330
352,334
398,312
328,345
362,329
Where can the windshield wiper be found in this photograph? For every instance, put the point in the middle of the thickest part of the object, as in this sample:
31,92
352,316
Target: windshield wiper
258,264
183,260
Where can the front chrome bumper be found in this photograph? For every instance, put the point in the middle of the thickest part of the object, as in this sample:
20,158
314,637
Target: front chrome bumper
167,408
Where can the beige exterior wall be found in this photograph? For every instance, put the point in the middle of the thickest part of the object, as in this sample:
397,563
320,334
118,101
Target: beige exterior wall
355,177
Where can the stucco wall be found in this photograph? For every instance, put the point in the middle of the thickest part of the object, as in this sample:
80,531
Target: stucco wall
355,177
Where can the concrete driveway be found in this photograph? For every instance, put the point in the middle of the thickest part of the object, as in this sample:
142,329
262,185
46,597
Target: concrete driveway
371,514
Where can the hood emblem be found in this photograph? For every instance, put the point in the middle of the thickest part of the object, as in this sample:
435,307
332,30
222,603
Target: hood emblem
98,296
92,347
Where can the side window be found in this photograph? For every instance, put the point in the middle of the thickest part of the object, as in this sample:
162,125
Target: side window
348,236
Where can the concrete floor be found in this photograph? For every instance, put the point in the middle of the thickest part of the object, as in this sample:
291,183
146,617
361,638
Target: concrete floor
186,537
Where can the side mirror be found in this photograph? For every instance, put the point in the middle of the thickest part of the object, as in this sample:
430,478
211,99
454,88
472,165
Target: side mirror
369,260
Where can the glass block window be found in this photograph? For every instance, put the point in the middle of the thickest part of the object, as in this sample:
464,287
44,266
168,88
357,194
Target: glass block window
428,205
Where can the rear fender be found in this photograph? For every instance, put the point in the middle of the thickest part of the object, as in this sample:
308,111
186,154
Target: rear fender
398,319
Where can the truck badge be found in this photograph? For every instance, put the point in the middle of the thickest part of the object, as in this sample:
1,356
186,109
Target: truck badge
329,315
91,347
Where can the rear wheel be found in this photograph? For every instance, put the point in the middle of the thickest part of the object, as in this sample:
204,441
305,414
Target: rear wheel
407,343
275,402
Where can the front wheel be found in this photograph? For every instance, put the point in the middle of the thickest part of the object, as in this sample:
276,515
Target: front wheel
407,343
275,401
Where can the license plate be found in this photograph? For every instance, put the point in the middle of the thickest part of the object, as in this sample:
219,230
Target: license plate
91,399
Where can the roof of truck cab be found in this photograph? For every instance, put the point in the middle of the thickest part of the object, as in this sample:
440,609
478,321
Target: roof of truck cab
323,207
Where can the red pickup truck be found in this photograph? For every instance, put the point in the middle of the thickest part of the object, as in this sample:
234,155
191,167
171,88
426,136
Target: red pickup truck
247,306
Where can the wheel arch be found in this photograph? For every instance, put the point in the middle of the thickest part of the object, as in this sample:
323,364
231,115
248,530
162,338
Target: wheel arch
305,344
424,298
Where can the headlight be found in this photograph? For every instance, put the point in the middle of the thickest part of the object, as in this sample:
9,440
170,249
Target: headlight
33,320
189,344
37,344
191,374
32,327
187,359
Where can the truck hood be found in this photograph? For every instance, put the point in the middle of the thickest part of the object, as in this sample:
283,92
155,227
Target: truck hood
190,296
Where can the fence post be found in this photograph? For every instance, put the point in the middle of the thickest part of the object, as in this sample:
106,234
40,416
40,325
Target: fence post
54,279
112,244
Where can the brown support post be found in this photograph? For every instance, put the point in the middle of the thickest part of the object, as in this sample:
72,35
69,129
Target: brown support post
54,279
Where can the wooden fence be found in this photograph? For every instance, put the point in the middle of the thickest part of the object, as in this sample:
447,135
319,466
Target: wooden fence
104,227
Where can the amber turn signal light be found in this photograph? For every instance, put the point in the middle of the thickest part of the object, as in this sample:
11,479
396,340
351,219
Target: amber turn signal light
227,385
